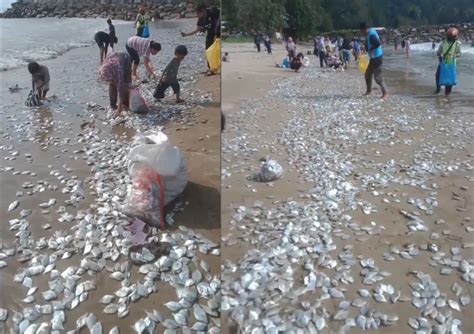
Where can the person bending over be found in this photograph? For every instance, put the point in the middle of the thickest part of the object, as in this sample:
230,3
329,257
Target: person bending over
142,47
40,78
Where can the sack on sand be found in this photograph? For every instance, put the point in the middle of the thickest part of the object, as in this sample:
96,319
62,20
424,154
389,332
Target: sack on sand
214,56
155,150
33,99
363,63
271,170
137,102
447,74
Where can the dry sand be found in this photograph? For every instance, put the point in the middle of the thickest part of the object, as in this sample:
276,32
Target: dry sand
255,118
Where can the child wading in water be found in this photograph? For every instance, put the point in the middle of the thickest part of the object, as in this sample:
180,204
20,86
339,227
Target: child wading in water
169,77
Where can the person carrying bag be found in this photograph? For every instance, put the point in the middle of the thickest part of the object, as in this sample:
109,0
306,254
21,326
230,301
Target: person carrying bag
448,52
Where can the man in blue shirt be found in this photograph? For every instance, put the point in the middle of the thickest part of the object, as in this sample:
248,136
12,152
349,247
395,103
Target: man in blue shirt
374,50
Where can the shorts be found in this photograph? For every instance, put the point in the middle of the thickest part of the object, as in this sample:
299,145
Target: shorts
159,92
134,57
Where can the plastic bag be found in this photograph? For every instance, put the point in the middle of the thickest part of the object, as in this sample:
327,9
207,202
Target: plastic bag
214,56
286,63
145,197
363,63
306,61
270,171
154,149
447,74
137,102
146,31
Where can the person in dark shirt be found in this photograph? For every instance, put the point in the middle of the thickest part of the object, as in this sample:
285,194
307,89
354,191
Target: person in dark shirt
170,75
257,40
346,51
113,37
103,40
375,53
40,78
209,22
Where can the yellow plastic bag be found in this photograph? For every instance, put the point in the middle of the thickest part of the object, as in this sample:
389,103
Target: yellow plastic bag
363,63
214,56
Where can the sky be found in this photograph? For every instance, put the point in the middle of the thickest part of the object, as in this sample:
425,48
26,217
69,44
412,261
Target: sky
4,4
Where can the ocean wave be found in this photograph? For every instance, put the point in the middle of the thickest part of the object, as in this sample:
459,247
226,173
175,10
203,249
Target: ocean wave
426,47
18,59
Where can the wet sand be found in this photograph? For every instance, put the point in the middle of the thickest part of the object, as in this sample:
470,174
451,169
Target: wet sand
51,136
261,107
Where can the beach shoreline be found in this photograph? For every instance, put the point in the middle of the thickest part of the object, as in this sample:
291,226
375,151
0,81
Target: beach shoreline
301,120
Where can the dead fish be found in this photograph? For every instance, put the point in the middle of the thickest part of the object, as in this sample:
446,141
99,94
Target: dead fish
13,205
3,314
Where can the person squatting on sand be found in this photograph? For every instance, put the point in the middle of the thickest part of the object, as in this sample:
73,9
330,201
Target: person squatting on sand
169,76
40,78
375,53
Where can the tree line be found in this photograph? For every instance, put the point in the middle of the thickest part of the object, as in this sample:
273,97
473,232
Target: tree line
302,18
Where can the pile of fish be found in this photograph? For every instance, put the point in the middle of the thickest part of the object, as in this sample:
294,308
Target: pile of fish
63,265
305,259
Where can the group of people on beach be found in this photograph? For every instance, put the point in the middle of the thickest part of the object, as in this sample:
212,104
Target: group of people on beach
119,69
337,53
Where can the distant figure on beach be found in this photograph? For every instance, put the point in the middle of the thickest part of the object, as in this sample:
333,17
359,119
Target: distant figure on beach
257,40
346,51
448,51
268,44
142,47
407,47
322,52
374,50
170,75
433,46
402,44
291,48
39,78
225,57
333,59
140,21
116,71
208,21
113,37
356,49
395,44
103,40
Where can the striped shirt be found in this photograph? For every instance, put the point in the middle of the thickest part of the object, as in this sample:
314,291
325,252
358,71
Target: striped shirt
141,45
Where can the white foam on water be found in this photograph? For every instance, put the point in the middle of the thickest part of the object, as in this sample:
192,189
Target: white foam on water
45,38
426,47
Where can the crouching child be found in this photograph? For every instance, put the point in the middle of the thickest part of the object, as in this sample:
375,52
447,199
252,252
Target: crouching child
170,75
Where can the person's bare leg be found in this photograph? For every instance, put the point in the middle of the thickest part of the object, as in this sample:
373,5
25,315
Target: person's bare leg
134,72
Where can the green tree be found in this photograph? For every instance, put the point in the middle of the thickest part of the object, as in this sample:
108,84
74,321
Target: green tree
261,15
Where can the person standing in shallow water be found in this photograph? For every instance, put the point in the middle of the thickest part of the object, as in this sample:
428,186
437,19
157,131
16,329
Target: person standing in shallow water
374,50
140,21
448,51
